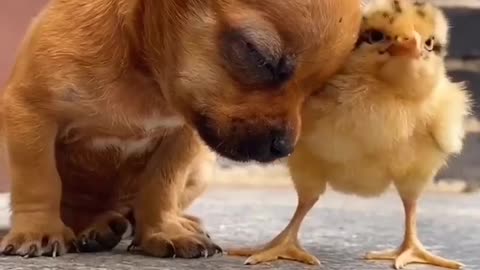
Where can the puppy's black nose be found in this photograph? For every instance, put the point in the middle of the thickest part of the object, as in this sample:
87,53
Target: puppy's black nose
282,146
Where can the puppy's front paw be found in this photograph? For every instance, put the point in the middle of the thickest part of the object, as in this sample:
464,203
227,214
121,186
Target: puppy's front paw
33,239
104,234
178,236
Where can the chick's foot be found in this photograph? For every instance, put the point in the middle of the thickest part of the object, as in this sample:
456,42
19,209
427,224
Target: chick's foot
413,254
286,245
286,250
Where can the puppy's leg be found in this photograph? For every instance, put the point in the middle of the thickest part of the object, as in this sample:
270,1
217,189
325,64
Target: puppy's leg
106,231
200,173
37,228
193,189
161,229
195,186
197,182
110,227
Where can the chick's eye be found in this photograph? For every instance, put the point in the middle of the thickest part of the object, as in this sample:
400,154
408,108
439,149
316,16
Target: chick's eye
429,44
375,36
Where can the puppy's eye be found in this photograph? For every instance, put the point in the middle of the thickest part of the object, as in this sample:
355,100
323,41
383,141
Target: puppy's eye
259,59
429,44
255,65
375,36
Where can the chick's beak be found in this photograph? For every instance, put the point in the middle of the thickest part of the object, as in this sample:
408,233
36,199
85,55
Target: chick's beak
405,47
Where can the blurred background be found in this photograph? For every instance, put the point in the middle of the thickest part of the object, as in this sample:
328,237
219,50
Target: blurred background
462,174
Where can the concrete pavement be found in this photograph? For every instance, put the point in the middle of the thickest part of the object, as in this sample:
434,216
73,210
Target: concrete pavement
339,231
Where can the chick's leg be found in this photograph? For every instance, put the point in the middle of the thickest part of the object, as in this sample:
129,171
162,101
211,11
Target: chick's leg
412,251
286,244
309,184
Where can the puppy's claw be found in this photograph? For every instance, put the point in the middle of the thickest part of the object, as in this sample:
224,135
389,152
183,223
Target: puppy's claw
8,250
218,249
74,247
56,244
204,253
32,252
132,246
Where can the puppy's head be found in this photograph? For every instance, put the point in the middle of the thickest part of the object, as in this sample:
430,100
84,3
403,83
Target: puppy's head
245,66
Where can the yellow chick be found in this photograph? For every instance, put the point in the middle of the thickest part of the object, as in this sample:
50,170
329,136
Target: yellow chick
391,115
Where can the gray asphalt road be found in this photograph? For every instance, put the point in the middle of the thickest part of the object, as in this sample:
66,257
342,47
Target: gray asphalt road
339,231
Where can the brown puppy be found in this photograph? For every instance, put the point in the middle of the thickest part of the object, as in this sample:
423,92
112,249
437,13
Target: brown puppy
107,99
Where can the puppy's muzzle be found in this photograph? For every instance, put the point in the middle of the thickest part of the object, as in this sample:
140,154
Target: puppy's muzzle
249,142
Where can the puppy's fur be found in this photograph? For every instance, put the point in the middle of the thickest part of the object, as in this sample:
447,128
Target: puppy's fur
110,100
